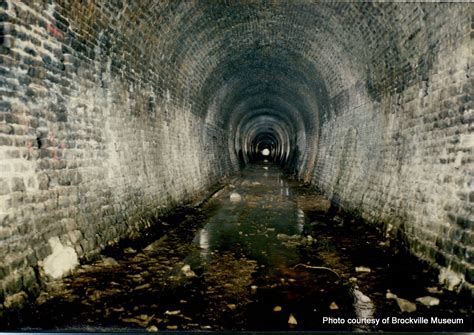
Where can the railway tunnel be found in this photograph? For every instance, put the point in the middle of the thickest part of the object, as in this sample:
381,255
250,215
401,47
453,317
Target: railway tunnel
120,120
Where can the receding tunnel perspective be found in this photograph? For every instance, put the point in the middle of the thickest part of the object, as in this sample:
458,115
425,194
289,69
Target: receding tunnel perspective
236,166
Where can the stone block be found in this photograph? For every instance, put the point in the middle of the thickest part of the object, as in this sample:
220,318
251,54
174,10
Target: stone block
17,185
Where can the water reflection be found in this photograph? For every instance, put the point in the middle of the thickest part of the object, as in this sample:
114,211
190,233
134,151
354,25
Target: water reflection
364,308
203,240
300,220
250,227
284,189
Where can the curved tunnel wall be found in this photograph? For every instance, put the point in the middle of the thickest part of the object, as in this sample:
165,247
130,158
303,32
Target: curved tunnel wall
113,112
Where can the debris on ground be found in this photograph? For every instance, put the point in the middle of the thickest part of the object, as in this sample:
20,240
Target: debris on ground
16,300
449,279
361,296
186,270
333,306
292,320
313,202
428,301
405,305
390,295
277,309
284,237
235,197
129,250
434,290
316,268
109,261
362,269
141,320
294,240
152,328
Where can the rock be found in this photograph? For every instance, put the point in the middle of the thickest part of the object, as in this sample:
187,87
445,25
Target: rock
277,309
235,197
284,237
253,288
61,261
172,312
109,261
186,269
141,320
390,295
362,269
232,307
449,279
171,327
434,290
405,305
361,296
152,246
333,306
388,230
129,250
152,328
428,301
353,280
142,287
292,320
15,301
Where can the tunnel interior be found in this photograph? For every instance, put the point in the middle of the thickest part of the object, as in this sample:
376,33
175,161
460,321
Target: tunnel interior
271,98
114,112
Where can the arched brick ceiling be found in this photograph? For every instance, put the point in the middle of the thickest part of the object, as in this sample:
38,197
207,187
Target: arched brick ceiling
215,56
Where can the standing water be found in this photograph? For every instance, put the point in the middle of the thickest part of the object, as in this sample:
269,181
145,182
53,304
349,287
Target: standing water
261,254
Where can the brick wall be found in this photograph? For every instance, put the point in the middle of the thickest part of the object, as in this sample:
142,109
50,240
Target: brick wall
96,137
399,149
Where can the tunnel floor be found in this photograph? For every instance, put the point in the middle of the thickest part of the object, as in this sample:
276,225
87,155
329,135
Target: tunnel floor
261,254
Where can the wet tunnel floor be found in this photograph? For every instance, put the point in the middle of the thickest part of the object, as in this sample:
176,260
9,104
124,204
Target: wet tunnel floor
261,254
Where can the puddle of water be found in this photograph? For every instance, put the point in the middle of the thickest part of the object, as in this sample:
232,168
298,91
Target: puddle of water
273,260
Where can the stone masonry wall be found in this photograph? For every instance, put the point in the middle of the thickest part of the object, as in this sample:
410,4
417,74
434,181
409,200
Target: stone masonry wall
399,149
93,139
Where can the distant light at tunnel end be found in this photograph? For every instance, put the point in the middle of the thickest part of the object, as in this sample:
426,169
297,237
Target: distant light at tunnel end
265,152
